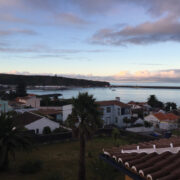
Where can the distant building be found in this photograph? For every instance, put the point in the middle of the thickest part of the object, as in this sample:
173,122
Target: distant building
113,112
4,107
29,101
35,122
139,108
54,114
164,121
62,112
66,111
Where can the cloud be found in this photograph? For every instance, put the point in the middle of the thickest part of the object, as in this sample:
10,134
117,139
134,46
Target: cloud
69,18
42,50
17,31
168,76
166,29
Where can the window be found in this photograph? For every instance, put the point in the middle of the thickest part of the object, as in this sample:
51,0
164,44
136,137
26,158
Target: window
116,120
123,111
37,131
108,109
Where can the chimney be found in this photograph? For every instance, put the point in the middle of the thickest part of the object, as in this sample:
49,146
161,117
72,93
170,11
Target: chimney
117,98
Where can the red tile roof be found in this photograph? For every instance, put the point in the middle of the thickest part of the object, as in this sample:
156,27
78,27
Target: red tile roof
113,102
151,165
167,116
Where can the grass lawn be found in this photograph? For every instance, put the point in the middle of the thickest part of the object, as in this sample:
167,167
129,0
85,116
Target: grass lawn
62,158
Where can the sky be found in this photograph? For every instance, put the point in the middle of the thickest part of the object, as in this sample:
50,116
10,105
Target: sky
111,40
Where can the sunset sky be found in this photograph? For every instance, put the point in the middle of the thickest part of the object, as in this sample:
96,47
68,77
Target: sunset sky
113,40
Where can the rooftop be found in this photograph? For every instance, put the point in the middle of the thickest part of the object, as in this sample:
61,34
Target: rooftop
113,102
167,116
159,159
26,118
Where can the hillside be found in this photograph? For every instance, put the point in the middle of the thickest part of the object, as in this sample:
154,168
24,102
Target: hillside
33,80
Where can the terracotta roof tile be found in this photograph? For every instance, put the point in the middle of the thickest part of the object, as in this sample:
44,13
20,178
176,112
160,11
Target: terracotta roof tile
155,165
168,116
113,102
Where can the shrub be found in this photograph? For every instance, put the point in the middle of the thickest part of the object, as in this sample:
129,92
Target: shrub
53,176
115,134
101,170
46,130
90,155
60,130
31,167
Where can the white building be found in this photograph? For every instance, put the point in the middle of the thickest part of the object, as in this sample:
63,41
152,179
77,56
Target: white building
166,121
4,107
29,101
35,122
114,112
66,111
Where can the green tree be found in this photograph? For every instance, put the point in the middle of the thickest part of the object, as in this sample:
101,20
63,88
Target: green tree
21,89
170,106
84,121
46,130
10,140
154,102
127,121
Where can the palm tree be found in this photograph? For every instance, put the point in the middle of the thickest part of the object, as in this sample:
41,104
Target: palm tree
10,140
84,120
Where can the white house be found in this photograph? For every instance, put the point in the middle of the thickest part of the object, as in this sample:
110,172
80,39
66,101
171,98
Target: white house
4,107
113,112
29,101
164,121
35,122
66,111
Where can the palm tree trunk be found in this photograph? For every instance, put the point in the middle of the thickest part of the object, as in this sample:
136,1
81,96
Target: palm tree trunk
82,166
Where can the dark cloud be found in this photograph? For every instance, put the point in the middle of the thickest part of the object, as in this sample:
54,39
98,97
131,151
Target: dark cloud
17,31
69,18
166,29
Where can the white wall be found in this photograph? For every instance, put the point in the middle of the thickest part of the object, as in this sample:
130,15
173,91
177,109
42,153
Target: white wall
167,125
51,107
152,119
41,123
66,111
114,117
33,102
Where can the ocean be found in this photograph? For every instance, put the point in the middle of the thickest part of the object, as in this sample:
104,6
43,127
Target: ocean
125,94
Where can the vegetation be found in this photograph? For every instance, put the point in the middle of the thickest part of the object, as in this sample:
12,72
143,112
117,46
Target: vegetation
10,140
147,124
127,121
103,170
48,80
154,102
46,130
170,106
31,167
53,176
84,121
21,89
47,101
62,158
116,136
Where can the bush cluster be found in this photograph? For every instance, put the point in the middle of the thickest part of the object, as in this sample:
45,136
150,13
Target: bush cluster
31,167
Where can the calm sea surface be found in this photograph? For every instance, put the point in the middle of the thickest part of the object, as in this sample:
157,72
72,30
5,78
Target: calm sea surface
126,94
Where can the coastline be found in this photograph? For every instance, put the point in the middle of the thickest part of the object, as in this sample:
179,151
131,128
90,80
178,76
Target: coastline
146,87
